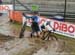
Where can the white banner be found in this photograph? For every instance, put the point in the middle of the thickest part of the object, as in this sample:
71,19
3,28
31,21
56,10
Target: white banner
5,8
62,28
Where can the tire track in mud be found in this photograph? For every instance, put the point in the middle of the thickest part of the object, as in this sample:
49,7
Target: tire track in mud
54,48
51,47
37,46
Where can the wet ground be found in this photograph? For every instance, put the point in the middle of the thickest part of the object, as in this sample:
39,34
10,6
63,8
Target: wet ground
8,28
10,44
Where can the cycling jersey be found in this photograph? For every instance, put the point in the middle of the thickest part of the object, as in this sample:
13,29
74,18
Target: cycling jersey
34,18
46,25
35,22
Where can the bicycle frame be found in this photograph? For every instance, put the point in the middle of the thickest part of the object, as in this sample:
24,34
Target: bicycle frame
49,34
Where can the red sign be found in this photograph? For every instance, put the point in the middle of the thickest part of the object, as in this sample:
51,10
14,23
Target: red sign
4,8
64,27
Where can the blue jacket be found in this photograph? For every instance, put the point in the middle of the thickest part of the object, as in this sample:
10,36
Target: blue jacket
34,18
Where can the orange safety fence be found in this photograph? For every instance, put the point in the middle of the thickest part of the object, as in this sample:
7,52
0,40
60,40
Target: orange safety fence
16,16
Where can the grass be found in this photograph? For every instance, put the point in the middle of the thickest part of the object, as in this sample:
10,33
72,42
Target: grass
16,24
19,25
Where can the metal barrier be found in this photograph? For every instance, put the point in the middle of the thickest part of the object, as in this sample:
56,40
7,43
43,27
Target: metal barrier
47,7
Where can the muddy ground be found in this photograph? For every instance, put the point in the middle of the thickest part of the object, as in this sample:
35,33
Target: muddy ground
10,44
33,46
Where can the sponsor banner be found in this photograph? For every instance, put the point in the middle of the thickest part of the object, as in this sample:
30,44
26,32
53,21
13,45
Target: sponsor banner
62,28
4,8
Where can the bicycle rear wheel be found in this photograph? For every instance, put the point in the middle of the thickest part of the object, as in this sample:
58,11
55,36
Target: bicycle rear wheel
22,31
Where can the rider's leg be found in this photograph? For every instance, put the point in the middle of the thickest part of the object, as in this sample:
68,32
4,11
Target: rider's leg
35,34
39,34
31,35
43,36
37,30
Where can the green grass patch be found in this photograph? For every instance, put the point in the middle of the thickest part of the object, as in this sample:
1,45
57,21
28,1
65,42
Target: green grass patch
16,24
19,25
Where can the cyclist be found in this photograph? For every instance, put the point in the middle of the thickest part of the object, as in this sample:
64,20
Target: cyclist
46,26
35,24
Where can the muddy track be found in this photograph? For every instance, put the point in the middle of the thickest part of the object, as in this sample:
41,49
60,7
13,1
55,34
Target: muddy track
41,47
36,46
27,46
52,48
4,38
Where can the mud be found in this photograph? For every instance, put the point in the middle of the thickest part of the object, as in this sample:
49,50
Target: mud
10,45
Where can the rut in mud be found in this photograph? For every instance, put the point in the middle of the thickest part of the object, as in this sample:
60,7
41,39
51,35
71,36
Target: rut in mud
45,47
32,46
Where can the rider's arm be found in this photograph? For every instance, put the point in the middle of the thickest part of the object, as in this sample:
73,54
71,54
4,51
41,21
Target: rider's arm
48,23
27,17
52,27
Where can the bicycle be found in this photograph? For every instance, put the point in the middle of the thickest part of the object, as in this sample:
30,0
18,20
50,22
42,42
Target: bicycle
21,35
48,34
